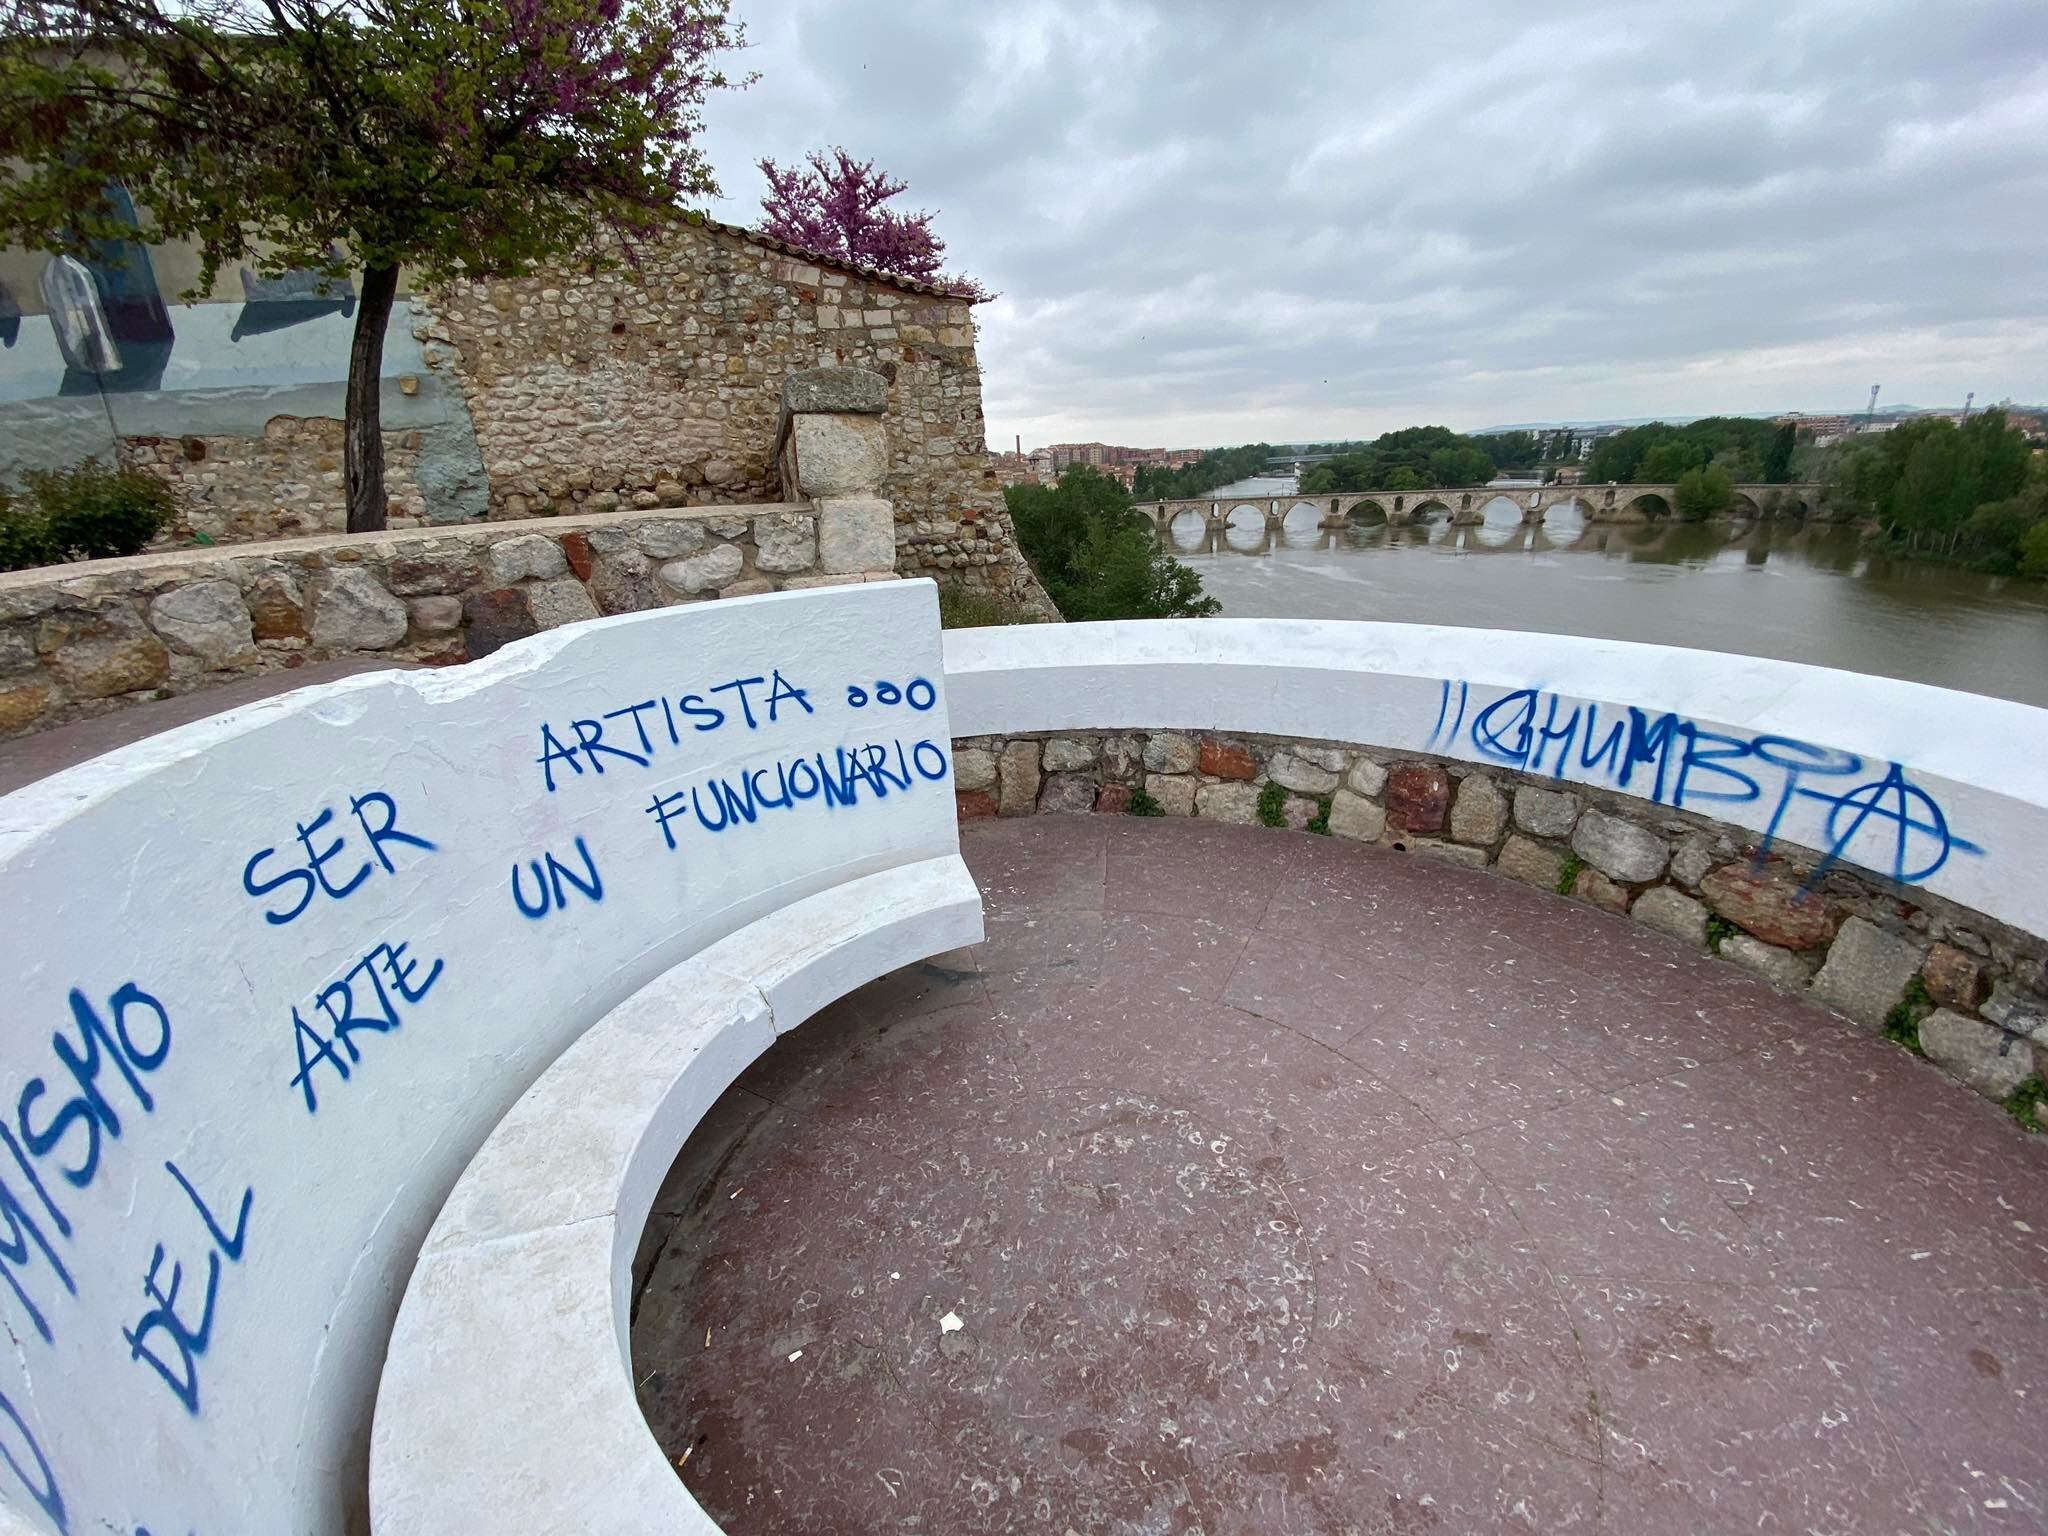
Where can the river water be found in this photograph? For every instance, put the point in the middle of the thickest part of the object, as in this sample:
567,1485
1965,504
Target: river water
1763,589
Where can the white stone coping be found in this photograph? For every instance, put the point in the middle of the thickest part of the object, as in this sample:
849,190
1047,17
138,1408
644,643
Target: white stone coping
1425,688
507,1399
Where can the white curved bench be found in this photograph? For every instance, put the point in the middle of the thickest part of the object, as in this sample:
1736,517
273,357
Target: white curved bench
508,1389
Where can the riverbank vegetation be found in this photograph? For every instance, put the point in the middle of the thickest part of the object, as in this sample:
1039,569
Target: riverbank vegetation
1974,493
1411,459
1096,557
1219,466
1747,450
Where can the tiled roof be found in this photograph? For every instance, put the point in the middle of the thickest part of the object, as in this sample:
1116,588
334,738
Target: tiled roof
853,269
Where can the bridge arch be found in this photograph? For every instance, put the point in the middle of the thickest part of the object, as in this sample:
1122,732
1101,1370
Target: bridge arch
1366,510
1427,509
1742,504
1649,505
1173,515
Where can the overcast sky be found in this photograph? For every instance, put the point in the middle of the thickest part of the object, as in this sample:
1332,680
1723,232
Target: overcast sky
1212,222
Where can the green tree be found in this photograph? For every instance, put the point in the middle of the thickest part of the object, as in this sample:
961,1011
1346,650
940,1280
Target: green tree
1777,467
1098,558
451,139
1703,492
1669,460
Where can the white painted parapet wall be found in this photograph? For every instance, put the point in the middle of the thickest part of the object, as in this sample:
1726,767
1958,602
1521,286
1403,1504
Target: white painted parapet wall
1942,790
275,977
509,1386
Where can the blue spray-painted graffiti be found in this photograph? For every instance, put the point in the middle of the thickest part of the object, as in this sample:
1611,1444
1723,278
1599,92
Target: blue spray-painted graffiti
553,882
160,1323
311,877
723,801
1874,814
584,745
366,997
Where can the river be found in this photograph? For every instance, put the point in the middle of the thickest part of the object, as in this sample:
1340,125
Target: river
1764,589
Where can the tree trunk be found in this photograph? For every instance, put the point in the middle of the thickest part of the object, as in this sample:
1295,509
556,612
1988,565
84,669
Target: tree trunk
362,449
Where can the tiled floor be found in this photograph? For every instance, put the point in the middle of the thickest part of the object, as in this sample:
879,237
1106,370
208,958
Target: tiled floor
1249,1182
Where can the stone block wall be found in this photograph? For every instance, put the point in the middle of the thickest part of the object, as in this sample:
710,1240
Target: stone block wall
660,382
86,639
285,484
1968,992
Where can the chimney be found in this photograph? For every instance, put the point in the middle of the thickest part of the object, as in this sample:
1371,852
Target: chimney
1020,445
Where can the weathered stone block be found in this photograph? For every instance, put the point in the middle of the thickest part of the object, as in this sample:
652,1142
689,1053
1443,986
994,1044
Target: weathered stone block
1693,858
1769,903
207,619
1620,849
435,615
1019,765
1546,812
1480,813
671,540
1067,793
856,533
1121,757
1113,799
1228,760
1231,802
576,549
1866,972
838,456
107,653
1366,778
1170,752
785,542
429,575
530,555
1530,862
496,618
564,600
1418,798
1672,911
1354,816
1593,886
2015,1009
1292,769
706,572
352,612
1953,977
23,705
1449,853
748,586
1780,967
1982,1055
974,768
1064,754
623,583
1174,792
857,390
973,804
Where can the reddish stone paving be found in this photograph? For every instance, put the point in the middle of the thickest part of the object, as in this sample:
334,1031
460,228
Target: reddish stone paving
1282,1185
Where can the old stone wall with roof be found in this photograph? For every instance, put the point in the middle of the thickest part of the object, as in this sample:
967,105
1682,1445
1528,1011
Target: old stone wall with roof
657,383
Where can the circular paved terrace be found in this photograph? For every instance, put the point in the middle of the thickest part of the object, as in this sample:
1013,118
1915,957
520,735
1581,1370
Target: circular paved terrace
1246,1181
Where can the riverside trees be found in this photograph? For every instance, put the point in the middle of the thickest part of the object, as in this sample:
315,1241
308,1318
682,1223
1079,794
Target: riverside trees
1096,556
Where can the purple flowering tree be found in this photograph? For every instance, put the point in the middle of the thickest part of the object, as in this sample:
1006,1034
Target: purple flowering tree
834,205
447,138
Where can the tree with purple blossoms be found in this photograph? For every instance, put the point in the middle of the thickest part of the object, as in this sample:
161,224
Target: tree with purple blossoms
451,138
833,205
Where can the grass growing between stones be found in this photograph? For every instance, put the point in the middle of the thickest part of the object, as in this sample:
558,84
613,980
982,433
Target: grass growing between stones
1719,932
1273,806
966,608
1320,822
1143,804
1902,1024
2024,1104
1568,873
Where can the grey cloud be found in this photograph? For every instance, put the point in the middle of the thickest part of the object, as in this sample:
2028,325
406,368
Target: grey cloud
1209,221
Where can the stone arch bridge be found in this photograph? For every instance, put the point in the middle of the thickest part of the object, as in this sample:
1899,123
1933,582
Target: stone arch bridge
1467,504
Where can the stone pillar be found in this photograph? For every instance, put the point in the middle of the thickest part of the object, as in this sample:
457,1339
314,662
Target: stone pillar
831,449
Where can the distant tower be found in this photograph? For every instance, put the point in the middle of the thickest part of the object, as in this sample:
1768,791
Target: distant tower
1968,400
1870,411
